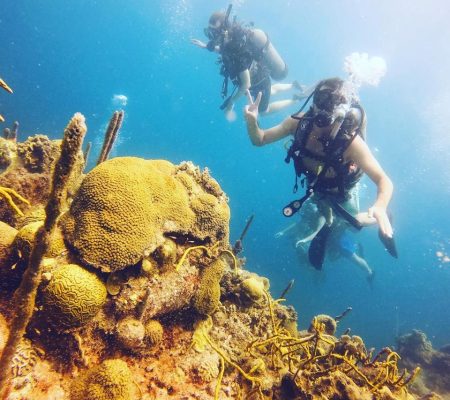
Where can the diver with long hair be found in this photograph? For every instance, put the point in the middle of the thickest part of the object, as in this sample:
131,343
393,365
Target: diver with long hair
330,155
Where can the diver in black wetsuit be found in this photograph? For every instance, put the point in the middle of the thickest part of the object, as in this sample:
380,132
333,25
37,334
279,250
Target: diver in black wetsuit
249,60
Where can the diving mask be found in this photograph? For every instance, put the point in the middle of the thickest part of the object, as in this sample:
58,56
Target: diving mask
212,32
329,105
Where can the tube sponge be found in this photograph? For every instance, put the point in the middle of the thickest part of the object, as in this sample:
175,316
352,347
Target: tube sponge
73,296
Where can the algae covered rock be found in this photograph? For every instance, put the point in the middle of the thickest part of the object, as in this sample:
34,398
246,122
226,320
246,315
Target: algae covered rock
111,380
73,296
254,288
130,333
126,207
6,153
25,238
7,236
329,324
37,153
27,168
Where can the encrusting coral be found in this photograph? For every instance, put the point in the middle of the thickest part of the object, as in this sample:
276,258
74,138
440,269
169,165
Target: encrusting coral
207,298
37,153
26,170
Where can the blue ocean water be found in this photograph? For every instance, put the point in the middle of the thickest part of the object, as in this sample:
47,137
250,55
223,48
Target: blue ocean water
63,57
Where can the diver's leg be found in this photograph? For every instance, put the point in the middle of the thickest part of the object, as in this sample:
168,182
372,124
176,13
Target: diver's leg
361,263
321,223
281,87
278,105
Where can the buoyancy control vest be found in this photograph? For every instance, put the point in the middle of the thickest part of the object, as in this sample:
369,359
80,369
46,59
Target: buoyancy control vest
332,175
237,54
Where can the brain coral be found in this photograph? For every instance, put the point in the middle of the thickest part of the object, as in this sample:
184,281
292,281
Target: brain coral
125,206
73,296
111,380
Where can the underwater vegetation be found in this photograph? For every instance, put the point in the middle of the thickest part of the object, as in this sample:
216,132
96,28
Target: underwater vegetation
121,283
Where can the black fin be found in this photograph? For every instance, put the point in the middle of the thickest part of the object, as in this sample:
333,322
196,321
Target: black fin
317,248
388,243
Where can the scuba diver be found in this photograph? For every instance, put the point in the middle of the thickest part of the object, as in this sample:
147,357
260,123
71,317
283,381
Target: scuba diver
341,242
330,155
249,60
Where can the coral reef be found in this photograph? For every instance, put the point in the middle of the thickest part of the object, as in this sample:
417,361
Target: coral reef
129,289
416,349
26,171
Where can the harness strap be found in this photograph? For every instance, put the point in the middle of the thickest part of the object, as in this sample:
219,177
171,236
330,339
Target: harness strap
225,86
294,206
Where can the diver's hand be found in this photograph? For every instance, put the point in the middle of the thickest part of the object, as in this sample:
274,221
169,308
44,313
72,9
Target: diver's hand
364,219
382,218
199,43
251,109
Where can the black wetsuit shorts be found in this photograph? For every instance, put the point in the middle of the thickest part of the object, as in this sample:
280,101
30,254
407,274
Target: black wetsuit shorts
264,86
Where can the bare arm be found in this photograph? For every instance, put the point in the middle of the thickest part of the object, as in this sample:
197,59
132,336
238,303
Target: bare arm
204,45
360,153
285,230
244,85
258,136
